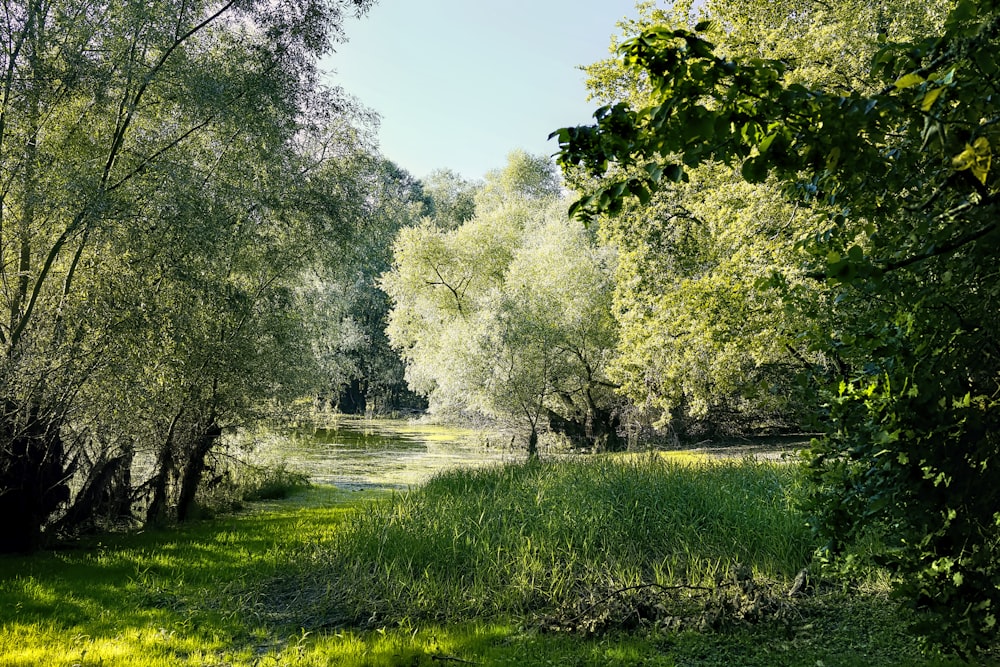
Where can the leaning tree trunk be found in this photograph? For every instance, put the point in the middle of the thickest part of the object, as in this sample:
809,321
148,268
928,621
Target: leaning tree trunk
194,469
105,497
165,468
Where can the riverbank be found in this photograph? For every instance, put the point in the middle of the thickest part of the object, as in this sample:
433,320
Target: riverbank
612,560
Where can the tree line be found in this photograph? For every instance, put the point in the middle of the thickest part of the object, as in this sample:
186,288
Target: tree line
187,219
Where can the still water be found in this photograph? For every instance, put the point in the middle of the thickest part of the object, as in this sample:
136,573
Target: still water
386,453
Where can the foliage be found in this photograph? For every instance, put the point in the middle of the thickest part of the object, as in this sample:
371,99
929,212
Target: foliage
706,346
206,594
507,314
452,199
703,346
155,220
237,482
346,311
898,175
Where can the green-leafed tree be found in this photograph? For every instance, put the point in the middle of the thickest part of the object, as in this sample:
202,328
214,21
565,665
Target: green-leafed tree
898,174
362,373
509,313
451,198
148,156
705,345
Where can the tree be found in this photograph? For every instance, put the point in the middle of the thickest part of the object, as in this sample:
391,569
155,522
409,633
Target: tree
452,199
899,175
509,313
138,148
704,348
556,333
347,310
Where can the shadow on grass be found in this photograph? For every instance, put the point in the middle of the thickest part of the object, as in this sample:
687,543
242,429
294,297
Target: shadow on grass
198,596
157,596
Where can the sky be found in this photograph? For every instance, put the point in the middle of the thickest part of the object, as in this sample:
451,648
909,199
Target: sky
459,84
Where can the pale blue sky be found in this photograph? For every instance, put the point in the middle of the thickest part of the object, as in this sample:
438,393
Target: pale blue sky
461,83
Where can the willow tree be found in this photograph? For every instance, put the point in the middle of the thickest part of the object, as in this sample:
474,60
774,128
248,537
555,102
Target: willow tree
138,145
361,373
508,314
899,175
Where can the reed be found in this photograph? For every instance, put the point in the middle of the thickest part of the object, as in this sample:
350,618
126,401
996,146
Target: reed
463,570
534,537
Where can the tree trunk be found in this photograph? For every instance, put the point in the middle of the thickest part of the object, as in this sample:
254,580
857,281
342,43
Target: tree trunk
604,426
352,399
33,475
165,466
194,469
106,494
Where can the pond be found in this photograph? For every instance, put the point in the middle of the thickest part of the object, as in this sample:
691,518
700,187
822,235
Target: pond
360,453
386,453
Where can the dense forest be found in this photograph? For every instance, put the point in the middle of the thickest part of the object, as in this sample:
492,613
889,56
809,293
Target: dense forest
784,219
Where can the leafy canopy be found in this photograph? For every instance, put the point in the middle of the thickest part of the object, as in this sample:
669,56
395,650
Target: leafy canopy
899,173
507,314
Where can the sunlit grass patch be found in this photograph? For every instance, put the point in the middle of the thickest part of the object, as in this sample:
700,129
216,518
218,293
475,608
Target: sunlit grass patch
52,643
471,567
528,539
167,597
687,457
679,456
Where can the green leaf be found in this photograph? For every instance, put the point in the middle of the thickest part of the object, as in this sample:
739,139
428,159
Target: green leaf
832,158
908,80
640,191
674,172
655,171
766,143
579,208
930,98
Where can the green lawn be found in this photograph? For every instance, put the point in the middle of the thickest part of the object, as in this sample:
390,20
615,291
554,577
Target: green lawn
604,561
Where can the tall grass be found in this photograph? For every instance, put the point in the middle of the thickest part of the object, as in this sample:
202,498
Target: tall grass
427,569
240,482
535,537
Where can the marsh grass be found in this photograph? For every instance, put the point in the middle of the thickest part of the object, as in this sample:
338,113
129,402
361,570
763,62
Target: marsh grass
535,538
462,569
240,482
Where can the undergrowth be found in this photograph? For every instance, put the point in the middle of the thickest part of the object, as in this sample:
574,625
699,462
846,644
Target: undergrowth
603,561
240,482
552,540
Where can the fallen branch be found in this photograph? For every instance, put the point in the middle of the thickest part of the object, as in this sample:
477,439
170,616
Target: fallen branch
636,587
449,658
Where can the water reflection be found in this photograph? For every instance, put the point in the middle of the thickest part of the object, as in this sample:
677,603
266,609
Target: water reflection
361,453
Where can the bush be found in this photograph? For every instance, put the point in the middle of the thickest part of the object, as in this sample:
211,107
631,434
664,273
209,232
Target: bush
240,482
272,482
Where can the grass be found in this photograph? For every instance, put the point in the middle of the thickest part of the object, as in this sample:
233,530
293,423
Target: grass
536,539
521,565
